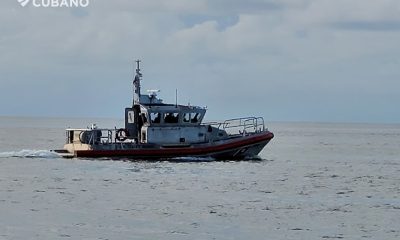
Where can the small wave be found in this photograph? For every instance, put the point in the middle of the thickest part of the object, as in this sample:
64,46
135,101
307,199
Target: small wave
29,154
191,159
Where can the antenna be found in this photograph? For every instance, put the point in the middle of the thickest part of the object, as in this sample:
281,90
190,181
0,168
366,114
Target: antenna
136,84
138,67
176,97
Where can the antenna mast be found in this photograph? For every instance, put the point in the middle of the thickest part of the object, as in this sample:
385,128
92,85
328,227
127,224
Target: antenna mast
176,97
136,84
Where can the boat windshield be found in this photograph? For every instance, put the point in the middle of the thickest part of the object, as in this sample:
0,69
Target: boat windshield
155,117
195,117
171,117
191,117
186,117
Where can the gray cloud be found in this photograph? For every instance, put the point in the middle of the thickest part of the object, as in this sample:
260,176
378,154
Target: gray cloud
285,60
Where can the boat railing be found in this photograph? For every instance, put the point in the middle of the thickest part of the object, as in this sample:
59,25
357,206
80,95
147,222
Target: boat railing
240,125
94,136
99,136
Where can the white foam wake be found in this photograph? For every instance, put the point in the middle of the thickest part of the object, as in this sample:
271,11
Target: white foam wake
26,153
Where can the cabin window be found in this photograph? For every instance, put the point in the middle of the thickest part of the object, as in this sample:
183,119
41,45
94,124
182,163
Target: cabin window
186,117
195,117
131,117
171,117
155,117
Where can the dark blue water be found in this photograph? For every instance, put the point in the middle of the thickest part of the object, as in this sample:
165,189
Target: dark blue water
315,181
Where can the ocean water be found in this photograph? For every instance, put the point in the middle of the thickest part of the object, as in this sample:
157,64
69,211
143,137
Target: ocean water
314,181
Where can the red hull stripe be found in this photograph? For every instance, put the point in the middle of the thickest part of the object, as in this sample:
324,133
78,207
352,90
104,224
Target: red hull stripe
165,152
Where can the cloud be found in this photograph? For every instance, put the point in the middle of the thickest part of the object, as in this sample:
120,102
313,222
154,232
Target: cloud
254,56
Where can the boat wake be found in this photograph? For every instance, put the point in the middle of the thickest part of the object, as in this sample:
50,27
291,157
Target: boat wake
190,159
26,153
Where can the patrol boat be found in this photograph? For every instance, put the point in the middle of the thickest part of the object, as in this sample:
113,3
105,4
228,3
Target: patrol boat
156,130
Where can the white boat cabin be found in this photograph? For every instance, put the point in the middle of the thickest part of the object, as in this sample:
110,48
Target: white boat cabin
172,124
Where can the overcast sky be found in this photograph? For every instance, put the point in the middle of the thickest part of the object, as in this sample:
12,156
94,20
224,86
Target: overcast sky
285,60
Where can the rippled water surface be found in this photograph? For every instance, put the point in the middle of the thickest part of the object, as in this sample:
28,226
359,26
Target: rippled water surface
315,181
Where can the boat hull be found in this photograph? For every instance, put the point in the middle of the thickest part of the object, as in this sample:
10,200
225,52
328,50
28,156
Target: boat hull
235,148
